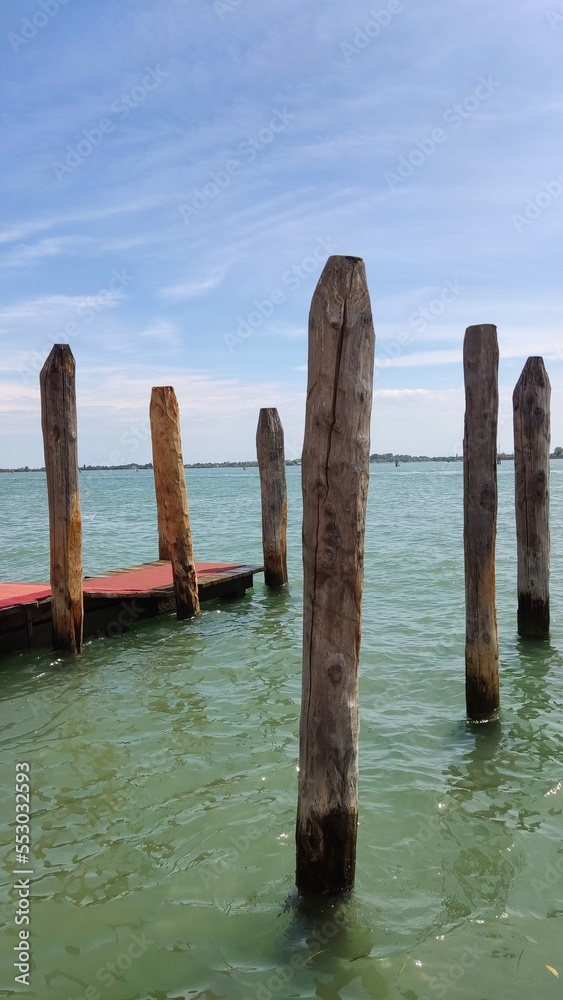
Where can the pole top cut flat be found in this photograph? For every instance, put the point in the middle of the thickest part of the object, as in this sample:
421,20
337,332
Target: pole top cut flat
479,337
266,412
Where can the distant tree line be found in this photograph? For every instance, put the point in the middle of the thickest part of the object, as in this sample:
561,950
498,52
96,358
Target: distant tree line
135,467
388,458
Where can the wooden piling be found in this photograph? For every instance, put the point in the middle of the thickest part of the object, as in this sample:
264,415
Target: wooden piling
532,441
59,425
172,497
480,360
271,463
163,550
335,479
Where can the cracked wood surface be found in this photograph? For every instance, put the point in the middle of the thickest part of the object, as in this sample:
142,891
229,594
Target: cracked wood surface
532,441
172,497
480,362
58,421
335,479
271,462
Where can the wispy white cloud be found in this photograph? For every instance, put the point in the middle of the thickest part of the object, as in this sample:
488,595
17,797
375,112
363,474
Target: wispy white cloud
23,255
23,230
51,310
323,175
164,332
513,345
292,332
19,398
421,359
401,393
194,288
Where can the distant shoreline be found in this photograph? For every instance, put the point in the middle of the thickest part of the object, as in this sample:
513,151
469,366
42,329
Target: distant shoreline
376,459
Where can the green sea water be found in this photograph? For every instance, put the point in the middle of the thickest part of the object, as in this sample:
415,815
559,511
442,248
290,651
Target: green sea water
163,765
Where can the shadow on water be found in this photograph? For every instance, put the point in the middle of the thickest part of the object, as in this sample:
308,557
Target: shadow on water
478,877
488,794
328,944
277,610
533,688
536,659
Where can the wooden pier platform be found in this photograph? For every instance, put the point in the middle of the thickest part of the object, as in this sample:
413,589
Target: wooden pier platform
112,603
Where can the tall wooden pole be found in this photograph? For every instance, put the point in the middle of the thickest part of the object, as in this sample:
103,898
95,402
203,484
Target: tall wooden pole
163,550
271,463
532,442
58,421
480,361
335,479
172,497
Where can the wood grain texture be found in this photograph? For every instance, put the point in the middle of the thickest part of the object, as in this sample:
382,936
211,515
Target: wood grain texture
532,444
58,420
163,551
335,479
480,361
271,463
172,497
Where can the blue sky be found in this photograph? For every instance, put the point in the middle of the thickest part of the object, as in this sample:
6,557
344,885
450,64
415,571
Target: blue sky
176,173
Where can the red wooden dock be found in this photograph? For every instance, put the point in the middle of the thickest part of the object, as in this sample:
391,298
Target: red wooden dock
112,602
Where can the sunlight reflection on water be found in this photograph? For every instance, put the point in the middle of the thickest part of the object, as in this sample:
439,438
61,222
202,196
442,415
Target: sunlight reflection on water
164,767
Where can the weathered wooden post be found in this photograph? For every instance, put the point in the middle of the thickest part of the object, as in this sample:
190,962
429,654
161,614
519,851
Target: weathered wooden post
58,422
335,479
163,550
480,361
532,441
172,497
271,463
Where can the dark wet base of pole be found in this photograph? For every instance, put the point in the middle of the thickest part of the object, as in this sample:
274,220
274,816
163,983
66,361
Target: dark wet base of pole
326,854
533,617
